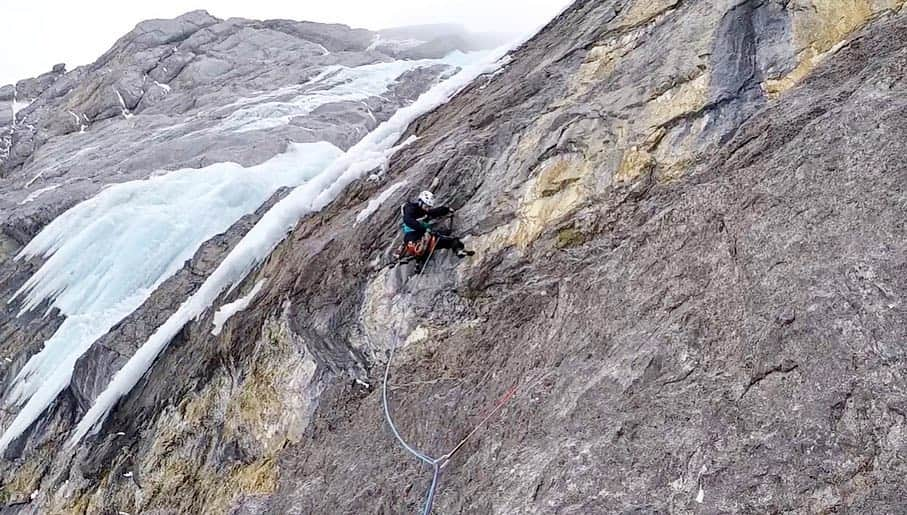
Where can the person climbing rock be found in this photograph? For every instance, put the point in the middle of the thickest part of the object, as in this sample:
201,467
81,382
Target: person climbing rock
420,238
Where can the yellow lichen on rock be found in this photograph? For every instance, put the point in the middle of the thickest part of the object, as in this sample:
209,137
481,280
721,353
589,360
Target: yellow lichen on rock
260,411
559,189
259,477
198,408
676,155
638,159
681,99
25,481
94,503
600,62
259,407
635,163
175,464
570,237
820,28
255,406
79,505
625,35
643,11
531,139
672,157
166,467
828,21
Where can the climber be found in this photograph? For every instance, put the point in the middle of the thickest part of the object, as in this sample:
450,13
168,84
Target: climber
420,238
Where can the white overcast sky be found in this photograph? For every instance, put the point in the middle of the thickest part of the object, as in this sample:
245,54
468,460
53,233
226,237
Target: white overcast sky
36,34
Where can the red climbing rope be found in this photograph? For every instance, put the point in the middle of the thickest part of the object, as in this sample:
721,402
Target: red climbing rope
507,396
436,463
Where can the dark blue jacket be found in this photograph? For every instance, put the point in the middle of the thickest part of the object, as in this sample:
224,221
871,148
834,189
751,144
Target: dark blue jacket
416,219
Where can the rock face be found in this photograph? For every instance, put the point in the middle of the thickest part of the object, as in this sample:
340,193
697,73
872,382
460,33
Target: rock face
690,232
153,103
186,92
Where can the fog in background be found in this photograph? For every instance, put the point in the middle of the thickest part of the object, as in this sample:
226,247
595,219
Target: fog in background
36,35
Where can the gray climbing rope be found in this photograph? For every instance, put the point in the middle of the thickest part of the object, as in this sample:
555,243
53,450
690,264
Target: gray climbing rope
435,463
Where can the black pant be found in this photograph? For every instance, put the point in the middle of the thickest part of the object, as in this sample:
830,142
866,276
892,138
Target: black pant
444,241
449,242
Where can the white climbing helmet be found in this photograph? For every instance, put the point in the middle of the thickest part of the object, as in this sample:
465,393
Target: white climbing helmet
427,198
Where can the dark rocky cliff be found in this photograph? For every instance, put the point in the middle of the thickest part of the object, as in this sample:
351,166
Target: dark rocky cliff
689,219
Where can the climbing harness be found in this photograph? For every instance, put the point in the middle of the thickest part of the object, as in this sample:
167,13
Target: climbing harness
435,463
417,248
412,251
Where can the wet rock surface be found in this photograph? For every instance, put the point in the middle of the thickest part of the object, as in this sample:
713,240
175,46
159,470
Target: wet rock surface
689,225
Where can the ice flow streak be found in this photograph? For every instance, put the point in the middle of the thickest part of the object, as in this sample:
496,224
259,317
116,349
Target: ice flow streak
337,84
105,256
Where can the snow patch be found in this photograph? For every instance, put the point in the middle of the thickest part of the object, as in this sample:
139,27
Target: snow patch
369,153
85,150
338,84
700,496
37,193
125,112
376,202
164,87
368,111
228,310
79,120
374,43
419,334
18,106
282,92
35,178
393,45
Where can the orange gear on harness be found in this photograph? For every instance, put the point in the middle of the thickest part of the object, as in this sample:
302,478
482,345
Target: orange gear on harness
419,248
